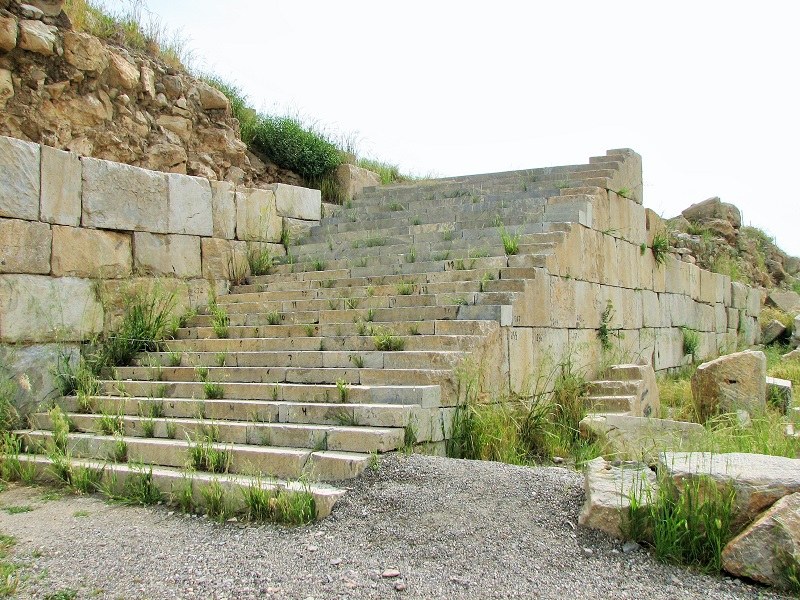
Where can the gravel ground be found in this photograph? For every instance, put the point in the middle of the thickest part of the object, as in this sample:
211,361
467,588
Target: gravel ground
453,529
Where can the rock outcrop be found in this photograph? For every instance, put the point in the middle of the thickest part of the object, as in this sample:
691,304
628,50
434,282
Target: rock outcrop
73,91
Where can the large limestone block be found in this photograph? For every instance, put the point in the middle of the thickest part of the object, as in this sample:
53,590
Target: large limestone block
738,295
6,87
32,368
121,73
61,187
223,209
37,37
222,259
757,480
708,287
772,331
352,180
753,302
730,383
190,210
85,52
256,216
639,438
24,246
786,300
117,196
297,202
764,550
211,98
177,255
8,34
608,494
91,253
37,308
19,179
297,228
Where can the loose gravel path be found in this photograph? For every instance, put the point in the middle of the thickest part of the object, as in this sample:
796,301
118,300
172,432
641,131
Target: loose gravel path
453,529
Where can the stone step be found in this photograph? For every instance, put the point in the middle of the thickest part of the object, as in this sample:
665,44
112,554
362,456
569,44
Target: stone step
314,358
427,396
263,293
468,214
273,309
334,428
351,375
265,461
328,411
343,278
346,343
170,481
625,372
610,404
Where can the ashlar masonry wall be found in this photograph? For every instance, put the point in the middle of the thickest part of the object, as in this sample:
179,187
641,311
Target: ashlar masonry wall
77,234
605,261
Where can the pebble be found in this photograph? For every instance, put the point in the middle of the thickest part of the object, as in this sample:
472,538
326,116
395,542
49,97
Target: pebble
336,562
389,573
400,586
588,552
628,547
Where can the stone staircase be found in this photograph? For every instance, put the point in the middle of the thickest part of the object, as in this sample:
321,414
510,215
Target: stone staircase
625,390
355,344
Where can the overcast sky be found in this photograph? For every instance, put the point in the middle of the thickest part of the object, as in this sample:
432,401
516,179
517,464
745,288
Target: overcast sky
706,92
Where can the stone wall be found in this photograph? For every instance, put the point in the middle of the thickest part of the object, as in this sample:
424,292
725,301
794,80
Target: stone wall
606,261
77,234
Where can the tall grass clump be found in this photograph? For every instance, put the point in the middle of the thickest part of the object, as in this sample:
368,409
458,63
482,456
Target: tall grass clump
688,525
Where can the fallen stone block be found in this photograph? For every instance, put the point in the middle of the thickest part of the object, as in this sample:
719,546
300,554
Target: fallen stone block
730,383
786,300
772,331
609,490
639,438
780,391
767,548
757,480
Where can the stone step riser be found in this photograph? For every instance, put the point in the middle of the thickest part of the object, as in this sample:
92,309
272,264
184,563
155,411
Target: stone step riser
610,404
170,481
303,375
345,428
467,216
427,396
264,294
311,360
235,415
613,388
345,344
344,277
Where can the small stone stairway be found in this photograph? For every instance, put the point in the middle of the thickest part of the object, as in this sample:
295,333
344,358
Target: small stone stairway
625,390
348,348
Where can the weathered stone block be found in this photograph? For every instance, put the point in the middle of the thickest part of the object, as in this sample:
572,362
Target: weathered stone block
753,302
6,87
562,302
19,179
520,343
761,551
651,309
85,52
121,73
8,34
352,180
24,246
117,196
256,216
223,259
786,300
32,370
61,187
177,255
35,36
708,288
223,209
211,98
720,318
38,308
91,253
297,202
608,494
733,318
730,383
635,438
738,295
297,228
190,207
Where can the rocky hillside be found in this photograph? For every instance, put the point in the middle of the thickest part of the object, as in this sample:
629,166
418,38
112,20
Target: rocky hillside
711,234
74,91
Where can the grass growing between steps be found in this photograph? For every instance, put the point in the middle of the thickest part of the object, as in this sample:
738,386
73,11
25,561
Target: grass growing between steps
529,430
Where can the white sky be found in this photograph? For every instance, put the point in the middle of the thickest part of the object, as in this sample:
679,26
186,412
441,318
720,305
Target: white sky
706,91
